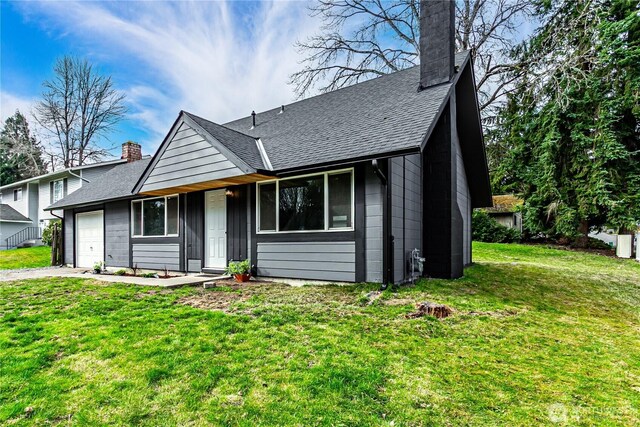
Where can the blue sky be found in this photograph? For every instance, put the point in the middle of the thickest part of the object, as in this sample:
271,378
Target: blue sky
219,60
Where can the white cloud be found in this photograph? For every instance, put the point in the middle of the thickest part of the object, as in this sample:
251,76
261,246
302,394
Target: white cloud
9,103
219,60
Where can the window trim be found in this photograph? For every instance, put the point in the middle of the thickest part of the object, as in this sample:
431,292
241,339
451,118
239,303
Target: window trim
326,229
17,191
141,201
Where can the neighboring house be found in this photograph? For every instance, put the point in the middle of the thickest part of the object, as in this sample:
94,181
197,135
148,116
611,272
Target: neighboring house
339,187
11,222
506,210
29,197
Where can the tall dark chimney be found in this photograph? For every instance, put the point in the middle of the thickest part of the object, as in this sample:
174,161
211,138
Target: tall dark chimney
131,151
437,41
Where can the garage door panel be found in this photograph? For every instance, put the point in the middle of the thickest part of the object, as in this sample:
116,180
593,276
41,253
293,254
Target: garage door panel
89,238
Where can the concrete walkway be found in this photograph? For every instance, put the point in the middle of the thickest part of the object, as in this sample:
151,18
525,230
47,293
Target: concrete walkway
83,273
173,282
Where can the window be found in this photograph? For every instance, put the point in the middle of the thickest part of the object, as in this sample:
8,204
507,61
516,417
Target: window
58,190
155,217
318,202
301,204
17,194
268,207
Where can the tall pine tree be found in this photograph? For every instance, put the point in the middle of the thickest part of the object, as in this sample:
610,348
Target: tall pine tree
21,155
568,138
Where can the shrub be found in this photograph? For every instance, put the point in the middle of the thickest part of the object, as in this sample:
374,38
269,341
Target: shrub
239,267
149,275
487,229
121,272
47,233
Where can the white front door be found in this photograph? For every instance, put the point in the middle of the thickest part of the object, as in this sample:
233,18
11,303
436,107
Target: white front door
89,239
215,208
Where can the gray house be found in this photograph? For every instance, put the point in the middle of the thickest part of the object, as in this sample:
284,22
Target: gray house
342,186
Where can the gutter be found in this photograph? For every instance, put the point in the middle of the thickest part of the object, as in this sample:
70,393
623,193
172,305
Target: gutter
387,237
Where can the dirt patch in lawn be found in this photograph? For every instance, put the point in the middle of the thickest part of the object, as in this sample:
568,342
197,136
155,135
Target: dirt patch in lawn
213,300
225,294
228,293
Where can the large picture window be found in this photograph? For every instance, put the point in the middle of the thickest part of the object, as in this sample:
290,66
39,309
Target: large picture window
155,217
319,202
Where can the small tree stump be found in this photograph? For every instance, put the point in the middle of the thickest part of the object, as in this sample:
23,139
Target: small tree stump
428,308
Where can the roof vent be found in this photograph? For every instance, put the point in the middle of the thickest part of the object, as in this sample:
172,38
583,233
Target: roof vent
253,119
281,110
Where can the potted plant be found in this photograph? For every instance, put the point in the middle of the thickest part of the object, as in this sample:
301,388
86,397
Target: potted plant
241,270
97,267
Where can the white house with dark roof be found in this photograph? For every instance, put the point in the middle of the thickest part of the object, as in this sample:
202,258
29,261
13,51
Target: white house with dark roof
345,186
29,198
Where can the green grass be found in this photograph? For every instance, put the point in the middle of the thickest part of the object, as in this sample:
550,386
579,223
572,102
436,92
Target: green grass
536,332
38,256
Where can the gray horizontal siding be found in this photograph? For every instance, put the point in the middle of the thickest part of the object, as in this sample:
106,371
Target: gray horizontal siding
314,260
156,256
189,159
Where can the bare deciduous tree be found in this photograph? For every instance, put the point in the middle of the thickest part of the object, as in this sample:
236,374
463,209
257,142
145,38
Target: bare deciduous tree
361,39
78,107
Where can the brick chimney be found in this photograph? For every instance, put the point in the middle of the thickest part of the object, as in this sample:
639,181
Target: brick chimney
437,41
131,151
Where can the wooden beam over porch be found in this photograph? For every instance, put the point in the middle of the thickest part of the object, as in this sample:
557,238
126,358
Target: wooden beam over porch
210,185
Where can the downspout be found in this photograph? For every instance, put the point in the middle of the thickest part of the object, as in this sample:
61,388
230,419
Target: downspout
387,238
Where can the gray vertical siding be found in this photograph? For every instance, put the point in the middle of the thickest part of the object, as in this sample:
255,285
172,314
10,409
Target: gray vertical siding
333,261
374,201
406,211
156,256
69,233
194,230
116,233
237,248
464,204
189,159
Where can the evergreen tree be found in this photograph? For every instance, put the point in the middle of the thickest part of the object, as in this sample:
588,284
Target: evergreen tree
568,138
20,152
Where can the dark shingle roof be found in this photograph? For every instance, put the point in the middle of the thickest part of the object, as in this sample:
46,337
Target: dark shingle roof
7,213
242,145
114,184
383,115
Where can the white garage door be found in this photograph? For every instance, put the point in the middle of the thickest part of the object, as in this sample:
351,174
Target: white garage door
89,239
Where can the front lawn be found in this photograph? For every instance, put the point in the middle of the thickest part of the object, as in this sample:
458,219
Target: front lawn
539,336
37,256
